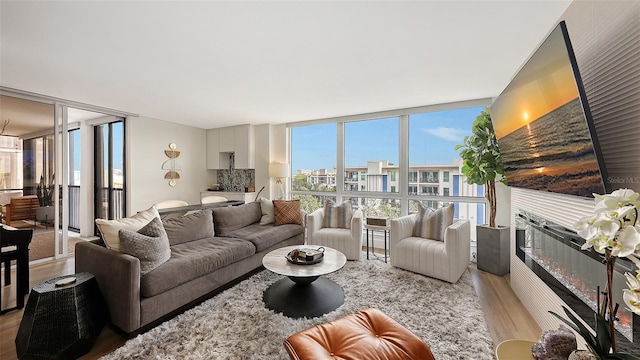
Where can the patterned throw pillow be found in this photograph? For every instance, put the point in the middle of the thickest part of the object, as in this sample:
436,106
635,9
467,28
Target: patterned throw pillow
149,244
431,224
109,228
337,216
287,212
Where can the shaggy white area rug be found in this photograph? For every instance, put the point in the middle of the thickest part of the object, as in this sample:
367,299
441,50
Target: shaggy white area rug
236,325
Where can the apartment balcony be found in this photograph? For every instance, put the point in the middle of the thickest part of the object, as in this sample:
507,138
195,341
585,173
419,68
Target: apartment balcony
429,180
75,210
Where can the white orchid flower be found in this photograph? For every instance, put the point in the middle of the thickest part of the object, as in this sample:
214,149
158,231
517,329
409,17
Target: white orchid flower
632,300
606,231
584,227
633,282
616,199
621,213
626,242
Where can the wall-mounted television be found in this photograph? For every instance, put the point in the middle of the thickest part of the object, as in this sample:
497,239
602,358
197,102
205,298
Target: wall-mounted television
544,127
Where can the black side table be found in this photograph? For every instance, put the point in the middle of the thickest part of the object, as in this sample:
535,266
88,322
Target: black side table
61,321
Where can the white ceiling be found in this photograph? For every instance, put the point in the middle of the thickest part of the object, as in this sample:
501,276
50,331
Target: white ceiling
212,64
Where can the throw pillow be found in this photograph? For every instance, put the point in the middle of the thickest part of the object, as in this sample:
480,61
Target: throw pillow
337,216
287,212
194,226
268,215
149,244
431,224
109,228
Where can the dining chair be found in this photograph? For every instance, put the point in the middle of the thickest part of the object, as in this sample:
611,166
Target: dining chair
171,204
212,199
14,245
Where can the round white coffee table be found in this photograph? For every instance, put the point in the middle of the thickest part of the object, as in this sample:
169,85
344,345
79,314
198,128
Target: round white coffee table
303,293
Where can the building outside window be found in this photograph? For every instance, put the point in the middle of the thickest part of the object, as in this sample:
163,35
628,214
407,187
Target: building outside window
429,190
413,176
413,190
429,177
445,176
445,191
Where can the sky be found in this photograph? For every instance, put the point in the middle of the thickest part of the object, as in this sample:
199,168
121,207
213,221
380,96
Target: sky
117,147
432,139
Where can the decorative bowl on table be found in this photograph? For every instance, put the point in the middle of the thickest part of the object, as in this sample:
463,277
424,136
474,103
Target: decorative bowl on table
305,256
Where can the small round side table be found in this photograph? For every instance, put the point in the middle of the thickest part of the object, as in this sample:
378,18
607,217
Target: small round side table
62,318
515,350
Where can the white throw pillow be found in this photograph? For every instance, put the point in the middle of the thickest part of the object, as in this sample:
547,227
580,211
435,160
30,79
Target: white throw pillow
268,213
109,228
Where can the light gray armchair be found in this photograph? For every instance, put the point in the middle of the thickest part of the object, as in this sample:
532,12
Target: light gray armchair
445,260
347,241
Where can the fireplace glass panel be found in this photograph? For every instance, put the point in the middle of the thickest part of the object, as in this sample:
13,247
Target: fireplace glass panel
553,253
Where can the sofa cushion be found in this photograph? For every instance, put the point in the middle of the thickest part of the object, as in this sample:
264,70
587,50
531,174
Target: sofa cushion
193,259
431,224
265,236
230,218
149,244
194,226
109,228
287,212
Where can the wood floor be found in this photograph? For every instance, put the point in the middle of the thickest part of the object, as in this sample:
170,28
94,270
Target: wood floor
505,315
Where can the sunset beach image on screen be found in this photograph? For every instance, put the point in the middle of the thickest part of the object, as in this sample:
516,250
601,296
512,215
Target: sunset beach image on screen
542,129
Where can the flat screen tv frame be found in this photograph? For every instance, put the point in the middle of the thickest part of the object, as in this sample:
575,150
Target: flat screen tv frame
582,98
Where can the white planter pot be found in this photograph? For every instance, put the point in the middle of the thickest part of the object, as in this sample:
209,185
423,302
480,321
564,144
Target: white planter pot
45,213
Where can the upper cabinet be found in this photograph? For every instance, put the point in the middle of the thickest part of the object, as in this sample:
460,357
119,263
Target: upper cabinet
244,147
227,139
234,139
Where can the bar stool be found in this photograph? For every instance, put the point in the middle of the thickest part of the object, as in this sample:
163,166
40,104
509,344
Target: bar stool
18,242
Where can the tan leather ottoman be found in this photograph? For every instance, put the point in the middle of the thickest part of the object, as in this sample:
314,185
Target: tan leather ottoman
368,334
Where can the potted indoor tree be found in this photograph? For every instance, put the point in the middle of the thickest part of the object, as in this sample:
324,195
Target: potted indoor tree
482,165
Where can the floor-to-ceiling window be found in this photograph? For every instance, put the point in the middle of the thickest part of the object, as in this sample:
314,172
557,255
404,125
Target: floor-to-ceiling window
389,164
435,178
313,178
10,168
371,148
75,147
109,177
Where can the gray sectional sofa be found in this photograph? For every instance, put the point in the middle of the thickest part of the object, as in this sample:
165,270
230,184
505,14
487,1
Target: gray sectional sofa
210,250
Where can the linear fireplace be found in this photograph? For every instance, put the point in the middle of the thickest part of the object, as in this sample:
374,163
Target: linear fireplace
553,253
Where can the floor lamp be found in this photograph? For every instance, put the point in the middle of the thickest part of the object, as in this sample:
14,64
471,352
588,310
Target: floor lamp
279,171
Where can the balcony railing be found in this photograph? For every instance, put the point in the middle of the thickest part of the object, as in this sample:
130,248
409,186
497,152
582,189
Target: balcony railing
74,208
429,179
74,205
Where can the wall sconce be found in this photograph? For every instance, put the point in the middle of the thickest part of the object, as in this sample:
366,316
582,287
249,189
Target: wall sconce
279,171
172,164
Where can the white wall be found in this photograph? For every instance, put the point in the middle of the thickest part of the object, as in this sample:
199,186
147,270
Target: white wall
279,152
147,140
